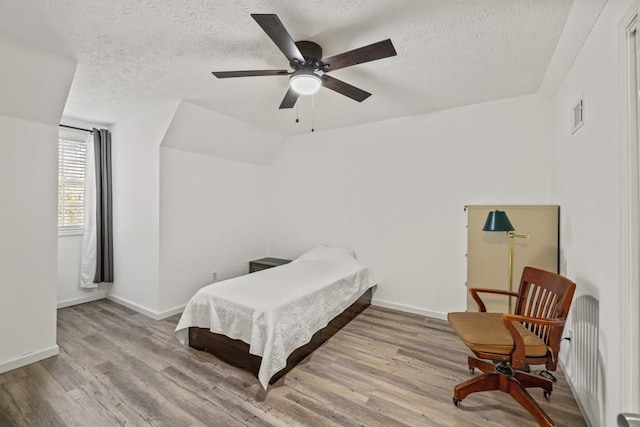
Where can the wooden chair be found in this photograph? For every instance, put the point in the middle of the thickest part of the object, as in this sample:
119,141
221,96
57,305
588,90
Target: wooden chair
512,342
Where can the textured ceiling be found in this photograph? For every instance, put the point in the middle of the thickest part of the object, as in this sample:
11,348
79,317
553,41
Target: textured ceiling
134,54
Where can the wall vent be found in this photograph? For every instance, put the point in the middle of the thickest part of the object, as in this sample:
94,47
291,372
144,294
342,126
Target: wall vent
577,115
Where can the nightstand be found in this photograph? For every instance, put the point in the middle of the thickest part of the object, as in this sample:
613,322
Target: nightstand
264,263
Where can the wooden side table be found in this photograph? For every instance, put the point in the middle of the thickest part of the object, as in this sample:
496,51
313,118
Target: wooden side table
264,263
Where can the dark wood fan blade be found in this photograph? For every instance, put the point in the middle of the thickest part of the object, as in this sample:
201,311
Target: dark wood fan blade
290,99
227,74
344,88
383,49
272,25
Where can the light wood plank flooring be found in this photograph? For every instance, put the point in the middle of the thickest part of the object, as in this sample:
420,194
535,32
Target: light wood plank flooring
386,368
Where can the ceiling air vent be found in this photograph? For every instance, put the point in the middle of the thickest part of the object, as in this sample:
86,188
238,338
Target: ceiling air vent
577,115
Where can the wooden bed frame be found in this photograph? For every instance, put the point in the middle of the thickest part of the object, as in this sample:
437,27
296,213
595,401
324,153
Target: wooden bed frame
236,352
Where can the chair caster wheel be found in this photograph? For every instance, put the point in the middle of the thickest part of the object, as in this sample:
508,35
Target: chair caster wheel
547,395
472,371
456,401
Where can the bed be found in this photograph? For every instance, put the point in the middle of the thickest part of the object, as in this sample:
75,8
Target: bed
270,320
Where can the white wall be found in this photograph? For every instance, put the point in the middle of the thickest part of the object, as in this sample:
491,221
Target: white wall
586,183
28,176
212,214
136,204
30,108
395,191
180,215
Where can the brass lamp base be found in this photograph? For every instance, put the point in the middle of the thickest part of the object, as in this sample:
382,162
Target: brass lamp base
512,235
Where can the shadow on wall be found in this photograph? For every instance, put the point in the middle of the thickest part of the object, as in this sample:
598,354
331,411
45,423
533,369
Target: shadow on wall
584,364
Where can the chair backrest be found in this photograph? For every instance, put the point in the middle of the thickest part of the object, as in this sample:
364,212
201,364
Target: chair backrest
545,295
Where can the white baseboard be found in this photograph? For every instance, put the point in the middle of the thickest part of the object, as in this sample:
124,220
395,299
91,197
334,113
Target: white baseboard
93,296
171,312
576,396
156,315
133,306
159,315
29,358
409,309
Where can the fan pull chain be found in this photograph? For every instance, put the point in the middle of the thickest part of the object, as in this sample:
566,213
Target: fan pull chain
297,119
312,125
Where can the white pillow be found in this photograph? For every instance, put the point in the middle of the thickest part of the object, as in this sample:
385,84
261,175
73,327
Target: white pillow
329,254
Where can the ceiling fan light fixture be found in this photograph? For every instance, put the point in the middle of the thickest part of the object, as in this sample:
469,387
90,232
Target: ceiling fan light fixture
305,84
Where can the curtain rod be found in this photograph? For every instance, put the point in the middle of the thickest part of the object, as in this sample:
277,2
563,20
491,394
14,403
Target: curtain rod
73,127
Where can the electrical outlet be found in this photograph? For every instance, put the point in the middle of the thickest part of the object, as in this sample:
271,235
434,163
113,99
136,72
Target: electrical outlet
568,334
214,276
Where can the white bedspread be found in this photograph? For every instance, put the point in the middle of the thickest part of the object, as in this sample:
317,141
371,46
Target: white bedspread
278,310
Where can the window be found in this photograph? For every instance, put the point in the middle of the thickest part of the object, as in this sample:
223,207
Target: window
71,172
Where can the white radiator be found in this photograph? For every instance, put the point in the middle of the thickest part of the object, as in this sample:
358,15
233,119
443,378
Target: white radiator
581,357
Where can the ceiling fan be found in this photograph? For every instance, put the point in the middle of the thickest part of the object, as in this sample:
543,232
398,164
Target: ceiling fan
309,68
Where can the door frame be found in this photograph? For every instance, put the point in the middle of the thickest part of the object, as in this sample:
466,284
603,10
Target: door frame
629,211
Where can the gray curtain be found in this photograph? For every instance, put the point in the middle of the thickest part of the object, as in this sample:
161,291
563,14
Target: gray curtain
104,215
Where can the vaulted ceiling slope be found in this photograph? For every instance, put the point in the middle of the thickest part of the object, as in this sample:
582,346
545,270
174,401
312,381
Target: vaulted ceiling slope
191,130
24,94
133,55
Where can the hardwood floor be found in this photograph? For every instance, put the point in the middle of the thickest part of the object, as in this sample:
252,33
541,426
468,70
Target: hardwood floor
385,368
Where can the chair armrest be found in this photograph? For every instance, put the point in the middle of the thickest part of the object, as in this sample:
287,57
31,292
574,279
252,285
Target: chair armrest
535,320
518,355
478,300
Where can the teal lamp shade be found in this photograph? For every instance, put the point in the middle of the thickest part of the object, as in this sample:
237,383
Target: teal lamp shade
497,221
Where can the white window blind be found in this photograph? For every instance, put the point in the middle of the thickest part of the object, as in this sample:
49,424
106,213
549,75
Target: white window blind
71,173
